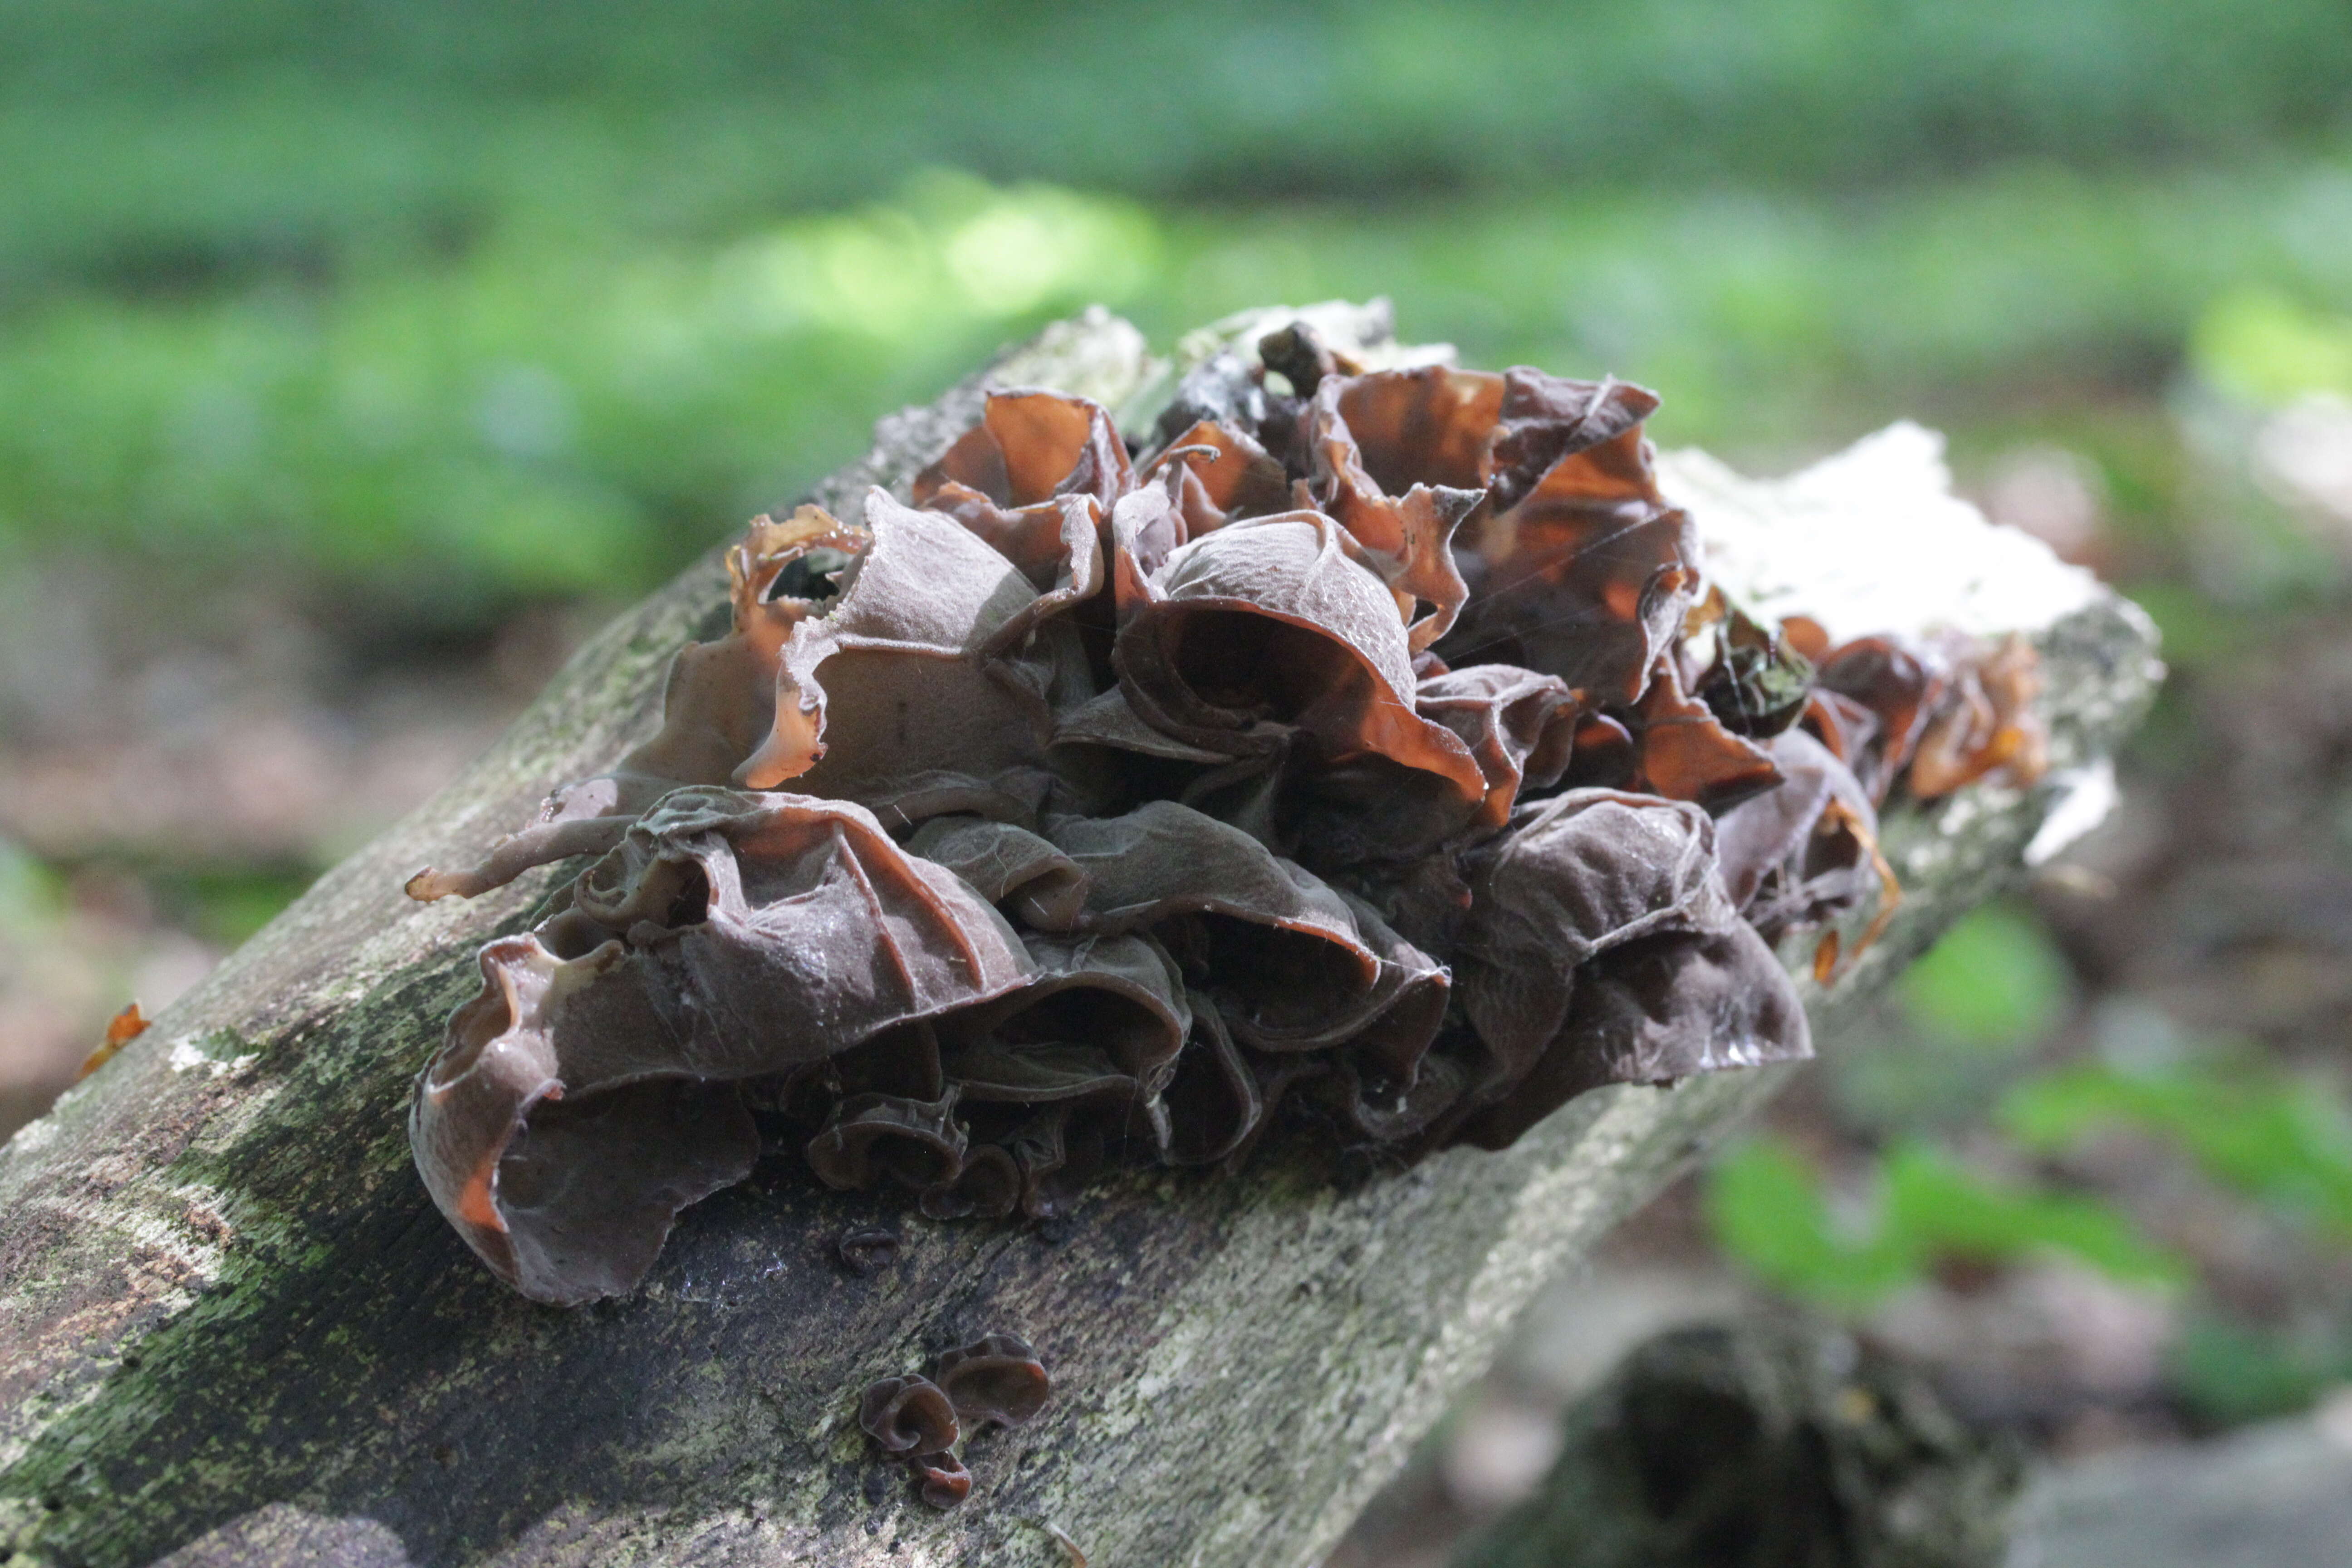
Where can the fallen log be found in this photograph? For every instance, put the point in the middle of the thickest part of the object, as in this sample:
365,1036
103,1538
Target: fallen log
233,1329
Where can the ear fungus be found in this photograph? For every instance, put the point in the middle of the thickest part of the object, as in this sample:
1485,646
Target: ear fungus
867,1250
908,1415
995,1380
944,1482
1374,756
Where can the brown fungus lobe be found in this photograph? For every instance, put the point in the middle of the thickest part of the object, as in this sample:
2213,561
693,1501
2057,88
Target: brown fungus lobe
865,1251
908,1415
996,1379
941,1478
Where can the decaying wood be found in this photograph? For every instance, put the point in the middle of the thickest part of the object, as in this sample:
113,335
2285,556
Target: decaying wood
233,1330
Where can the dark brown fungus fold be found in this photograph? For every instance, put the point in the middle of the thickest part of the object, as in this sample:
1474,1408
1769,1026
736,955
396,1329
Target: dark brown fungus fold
1687,753
986,1187
1100,1015
1520,728
1656,1010
1053,1163
566,1197
1267,629
941,1478
908,1415
1897,683
872,1137
1385,1109
1604,755
1986,722
1212,1101
718,704
1845,728
1576,876
868,1250
1221,473
1949,708
996,1379
1406,539
1291,963
1582,569
1806,851
713,898
1030,447
1012,867
898,679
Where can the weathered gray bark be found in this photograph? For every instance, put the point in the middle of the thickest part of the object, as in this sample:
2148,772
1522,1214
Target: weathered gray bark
233,1329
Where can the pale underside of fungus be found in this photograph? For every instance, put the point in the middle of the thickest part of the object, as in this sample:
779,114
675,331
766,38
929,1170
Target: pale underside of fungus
1365,751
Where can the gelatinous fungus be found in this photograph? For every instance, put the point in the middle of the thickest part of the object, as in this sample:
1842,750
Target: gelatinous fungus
995,1380
941,1478
865,1251
908,1414
1373,754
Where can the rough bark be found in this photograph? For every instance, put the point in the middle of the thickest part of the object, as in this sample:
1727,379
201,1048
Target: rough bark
233,1330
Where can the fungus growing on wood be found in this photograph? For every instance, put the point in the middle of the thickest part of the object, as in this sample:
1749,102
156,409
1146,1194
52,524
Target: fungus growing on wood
1375,752
996,1379
868,1250
944,1480
908,1415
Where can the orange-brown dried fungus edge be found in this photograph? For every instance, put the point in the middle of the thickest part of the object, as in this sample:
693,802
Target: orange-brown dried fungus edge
1364,751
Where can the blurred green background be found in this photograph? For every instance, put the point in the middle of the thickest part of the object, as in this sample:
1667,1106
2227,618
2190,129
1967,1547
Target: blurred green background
355,358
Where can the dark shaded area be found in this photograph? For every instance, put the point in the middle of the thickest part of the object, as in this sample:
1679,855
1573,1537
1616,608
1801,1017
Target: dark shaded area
1764,1442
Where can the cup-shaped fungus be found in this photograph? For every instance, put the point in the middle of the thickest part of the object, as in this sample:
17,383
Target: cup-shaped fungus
941,1478
908,1415
995,1380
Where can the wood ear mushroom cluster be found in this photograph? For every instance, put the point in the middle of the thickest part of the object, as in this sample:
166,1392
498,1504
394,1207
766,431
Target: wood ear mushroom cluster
997,1379
1371,751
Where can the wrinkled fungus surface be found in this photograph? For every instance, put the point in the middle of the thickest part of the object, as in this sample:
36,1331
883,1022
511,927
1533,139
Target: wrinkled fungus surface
1367,751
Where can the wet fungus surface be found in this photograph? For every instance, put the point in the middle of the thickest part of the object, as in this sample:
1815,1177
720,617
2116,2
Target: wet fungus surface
1367,752
996,1379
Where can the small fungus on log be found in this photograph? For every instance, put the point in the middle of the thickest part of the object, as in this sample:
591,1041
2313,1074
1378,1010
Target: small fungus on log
944,1480
908,1415
1373,749
995,1380
868,1250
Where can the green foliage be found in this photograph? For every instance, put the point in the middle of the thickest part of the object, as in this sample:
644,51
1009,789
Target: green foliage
29,894
1993,978
1965,1016
552,414
2265,348
1767,1209
226,903
2286,1143
2230,1372
187,142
